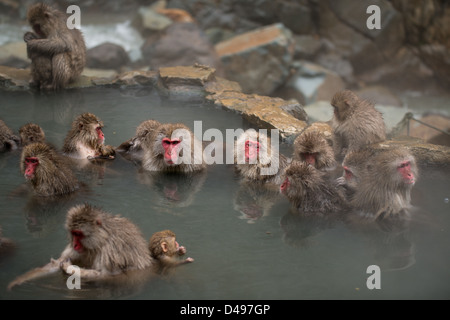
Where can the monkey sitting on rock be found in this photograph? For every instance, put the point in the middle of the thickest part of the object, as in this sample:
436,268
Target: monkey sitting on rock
57,53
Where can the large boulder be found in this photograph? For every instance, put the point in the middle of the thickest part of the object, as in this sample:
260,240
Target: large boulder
180,44
258,60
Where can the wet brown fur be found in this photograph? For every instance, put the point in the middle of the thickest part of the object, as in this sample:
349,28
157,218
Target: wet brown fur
53,175
82,132
8,140
30,133
153,157
310,192
355,123
57,53
314,142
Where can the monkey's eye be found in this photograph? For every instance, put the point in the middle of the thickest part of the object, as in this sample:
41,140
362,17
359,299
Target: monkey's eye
175,142
404,164
98,128
31,160
77,233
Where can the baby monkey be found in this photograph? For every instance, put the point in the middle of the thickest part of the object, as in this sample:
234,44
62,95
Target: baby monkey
165,249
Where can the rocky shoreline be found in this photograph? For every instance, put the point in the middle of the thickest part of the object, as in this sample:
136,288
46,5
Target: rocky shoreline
201,83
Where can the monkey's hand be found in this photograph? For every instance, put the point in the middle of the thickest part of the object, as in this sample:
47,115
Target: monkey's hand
65,264
189,260
29,36
340,181
106,152
181,251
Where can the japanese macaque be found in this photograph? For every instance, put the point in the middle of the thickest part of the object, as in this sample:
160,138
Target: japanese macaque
355,123
48,173
100,244
314,149
309,191
133,148
165,250
260,162
31,133
381,184
57,53
85,140
171,148
8,140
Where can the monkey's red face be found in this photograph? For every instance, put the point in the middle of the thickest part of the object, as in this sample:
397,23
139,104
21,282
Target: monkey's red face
251,151
100,135
171,150
31,164
310,158
77,236
285,185
348,175
406,173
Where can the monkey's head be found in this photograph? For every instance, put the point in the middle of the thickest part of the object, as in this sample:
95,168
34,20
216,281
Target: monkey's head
84,224
314,149
343,103
143,133
171,141
163,243
44,19
255,148
299,179
37,161
400,166
31,133
87,127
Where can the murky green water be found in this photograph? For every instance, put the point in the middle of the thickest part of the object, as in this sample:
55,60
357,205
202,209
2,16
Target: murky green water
277,256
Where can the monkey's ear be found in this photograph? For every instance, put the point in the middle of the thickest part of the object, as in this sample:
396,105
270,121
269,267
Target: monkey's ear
347,102
80,126
98,222
164,246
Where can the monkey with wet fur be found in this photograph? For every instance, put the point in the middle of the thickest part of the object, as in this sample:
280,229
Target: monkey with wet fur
261,163
355,123
170,147
133,148
314,149
165,250
103,246
310,192
48,173
8,140
380,185
31,133
57,53
85,140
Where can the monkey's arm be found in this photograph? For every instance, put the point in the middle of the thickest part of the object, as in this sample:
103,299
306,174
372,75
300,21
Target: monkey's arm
51,267
47,46
172,262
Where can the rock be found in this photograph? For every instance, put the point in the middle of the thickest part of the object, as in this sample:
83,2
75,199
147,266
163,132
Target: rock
14,54
181,44
137,78
262,111
426,154
107,56
258,60
307,47
311,82
149,21
427,28
99,73
296,110
321,111
14,79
